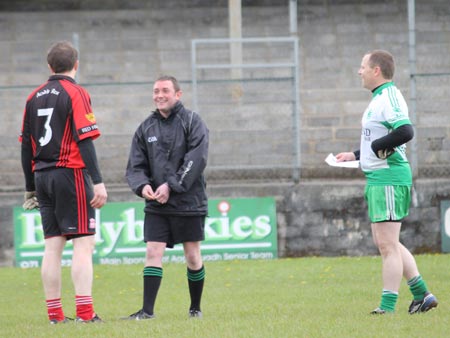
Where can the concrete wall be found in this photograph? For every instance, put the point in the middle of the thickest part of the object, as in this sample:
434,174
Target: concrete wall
122,51
128,48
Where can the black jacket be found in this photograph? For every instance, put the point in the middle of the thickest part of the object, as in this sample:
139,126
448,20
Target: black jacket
172,150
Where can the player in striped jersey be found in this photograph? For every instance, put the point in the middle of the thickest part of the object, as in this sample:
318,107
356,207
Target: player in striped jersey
59,163
386,129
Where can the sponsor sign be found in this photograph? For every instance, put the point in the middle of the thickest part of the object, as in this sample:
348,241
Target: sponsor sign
445,225
242,228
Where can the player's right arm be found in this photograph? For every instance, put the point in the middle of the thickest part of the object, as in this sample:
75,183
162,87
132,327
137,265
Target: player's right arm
138,168
27,151
346,156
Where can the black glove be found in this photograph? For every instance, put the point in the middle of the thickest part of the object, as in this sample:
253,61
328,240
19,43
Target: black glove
380,149
384,153
31,201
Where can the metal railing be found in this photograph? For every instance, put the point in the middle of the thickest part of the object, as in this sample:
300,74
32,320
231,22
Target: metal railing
240,74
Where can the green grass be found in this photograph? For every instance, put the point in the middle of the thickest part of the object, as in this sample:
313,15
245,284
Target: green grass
302,297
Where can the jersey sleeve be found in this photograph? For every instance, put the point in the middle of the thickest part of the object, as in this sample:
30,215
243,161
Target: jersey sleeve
85,123
396,109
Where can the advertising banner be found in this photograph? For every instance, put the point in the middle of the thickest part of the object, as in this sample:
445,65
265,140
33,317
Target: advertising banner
241,228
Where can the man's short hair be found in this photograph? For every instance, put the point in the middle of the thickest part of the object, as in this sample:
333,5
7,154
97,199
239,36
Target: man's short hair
385,61
62,56
172,79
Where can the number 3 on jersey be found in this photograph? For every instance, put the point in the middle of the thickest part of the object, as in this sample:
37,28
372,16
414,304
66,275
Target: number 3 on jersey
48,131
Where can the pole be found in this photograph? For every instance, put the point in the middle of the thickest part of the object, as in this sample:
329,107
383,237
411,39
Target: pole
235,26
412,83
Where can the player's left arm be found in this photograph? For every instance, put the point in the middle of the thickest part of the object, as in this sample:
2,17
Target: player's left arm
87,151
384,146
89,156
195,159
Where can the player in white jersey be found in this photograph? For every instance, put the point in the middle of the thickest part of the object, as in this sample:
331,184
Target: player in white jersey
386,129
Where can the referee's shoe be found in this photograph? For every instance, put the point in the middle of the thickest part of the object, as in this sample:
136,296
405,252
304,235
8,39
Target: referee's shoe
140,315
193,313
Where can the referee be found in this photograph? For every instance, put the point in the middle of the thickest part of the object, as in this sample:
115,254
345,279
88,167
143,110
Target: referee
59,162
168,156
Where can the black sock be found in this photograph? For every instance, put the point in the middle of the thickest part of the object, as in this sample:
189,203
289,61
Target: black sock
152,281
196,279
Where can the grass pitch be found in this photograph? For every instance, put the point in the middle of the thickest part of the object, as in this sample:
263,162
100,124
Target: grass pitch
301,297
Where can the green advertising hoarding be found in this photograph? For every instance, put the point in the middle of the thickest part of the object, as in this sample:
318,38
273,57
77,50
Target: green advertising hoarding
241,228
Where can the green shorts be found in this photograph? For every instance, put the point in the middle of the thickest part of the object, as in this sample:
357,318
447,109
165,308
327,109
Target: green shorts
387,202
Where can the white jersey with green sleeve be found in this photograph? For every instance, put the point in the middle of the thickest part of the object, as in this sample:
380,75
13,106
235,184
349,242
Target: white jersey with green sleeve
387,111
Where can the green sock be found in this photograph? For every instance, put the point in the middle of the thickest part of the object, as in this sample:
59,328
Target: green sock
417,287
388,300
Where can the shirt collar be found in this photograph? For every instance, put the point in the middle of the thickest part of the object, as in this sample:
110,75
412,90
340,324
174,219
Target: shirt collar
376,91
61,77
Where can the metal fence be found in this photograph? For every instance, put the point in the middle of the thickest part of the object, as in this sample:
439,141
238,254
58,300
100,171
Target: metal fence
247,90
432,110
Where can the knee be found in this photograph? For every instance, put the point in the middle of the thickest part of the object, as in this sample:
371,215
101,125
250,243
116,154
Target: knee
84,244
193,260
154,252
387,248
150,253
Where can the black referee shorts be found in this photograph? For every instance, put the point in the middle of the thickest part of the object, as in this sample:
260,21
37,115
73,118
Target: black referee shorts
173,229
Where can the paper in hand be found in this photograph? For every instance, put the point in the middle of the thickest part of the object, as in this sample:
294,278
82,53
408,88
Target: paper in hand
331,160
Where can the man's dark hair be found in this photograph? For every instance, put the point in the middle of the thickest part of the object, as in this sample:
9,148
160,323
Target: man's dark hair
174,81
385,61
62,57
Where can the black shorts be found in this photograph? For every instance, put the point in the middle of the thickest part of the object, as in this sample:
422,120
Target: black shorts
173,229
64,195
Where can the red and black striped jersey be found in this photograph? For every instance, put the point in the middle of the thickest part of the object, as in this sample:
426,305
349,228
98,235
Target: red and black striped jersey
57,115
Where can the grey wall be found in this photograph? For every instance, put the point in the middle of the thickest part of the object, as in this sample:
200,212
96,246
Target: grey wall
122,51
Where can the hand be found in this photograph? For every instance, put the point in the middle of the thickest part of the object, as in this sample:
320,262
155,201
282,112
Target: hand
347,156
30,200
100,196
162,193
147,192
384,153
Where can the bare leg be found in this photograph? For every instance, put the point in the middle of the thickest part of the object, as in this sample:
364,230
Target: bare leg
82,269
51,267
154,254
193,255
410,269
386,236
